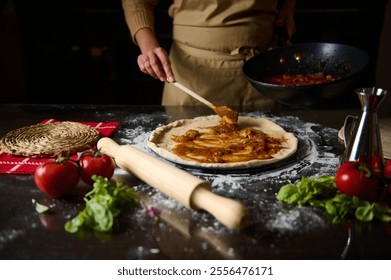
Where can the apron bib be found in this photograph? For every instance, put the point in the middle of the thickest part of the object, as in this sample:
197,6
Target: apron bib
211,41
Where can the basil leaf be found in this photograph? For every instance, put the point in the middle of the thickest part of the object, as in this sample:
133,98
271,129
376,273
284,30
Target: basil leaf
322,193
104,204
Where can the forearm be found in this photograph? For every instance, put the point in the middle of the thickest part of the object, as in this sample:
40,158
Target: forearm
287,8
153,59
139,15
286,16
288,5
146,40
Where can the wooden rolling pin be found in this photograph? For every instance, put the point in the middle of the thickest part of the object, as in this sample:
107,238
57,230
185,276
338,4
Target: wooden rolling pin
187,189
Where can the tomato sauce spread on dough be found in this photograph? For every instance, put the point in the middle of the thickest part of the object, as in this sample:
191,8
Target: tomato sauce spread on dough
226,143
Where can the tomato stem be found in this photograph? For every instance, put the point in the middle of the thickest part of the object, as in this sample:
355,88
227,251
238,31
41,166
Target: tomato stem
364,168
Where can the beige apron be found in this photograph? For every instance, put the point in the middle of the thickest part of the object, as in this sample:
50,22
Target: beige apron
211,41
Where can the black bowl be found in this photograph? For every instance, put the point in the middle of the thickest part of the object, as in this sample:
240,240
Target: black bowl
342,61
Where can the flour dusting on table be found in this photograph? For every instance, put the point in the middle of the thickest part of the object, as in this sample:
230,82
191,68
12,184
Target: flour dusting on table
257,189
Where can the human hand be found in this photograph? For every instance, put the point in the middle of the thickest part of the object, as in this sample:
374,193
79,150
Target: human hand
157,64
285,17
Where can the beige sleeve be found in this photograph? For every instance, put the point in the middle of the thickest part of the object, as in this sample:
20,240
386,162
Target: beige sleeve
139,14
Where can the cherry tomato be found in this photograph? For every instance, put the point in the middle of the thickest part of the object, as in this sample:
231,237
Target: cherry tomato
377,166
387,169
94,162
57,177
354,179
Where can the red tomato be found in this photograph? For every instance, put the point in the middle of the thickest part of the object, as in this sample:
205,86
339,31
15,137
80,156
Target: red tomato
95,163
387,169
377,166
354,179
57,177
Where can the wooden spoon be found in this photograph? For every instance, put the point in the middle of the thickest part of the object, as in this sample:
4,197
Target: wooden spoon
219,110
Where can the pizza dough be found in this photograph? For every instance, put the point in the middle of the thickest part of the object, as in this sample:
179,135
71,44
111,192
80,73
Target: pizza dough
160,140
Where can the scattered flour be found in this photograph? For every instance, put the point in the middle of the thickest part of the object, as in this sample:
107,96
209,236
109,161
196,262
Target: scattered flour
9,235
255,189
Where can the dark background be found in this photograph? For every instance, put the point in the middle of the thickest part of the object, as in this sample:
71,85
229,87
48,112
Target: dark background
80,51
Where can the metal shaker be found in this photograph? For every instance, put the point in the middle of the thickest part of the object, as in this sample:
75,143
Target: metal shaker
362,135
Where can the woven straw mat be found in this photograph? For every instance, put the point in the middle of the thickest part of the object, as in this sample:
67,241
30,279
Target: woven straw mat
49,139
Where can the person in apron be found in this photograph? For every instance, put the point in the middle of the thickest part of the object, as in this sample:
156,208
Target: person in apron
211,41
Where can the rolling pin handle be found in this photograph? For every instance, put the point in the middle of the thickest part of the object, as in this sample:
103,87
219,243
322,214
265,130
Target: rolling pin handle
108,146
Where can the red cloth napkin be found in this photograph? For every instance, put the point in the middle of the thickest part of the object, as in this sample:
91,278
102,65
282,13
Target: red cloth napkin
23,165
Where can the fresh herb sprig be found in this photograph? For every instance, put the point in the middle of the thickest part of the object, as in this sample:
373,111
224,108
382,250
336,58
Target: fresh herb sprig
104,204
322,193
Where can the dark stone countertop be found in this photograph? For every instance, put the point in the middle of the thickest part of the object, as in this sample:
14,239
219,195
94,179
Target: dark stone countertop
275,231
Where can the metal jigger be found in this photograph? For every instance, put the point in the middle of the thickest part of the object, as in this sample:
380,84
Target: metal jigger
365,141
